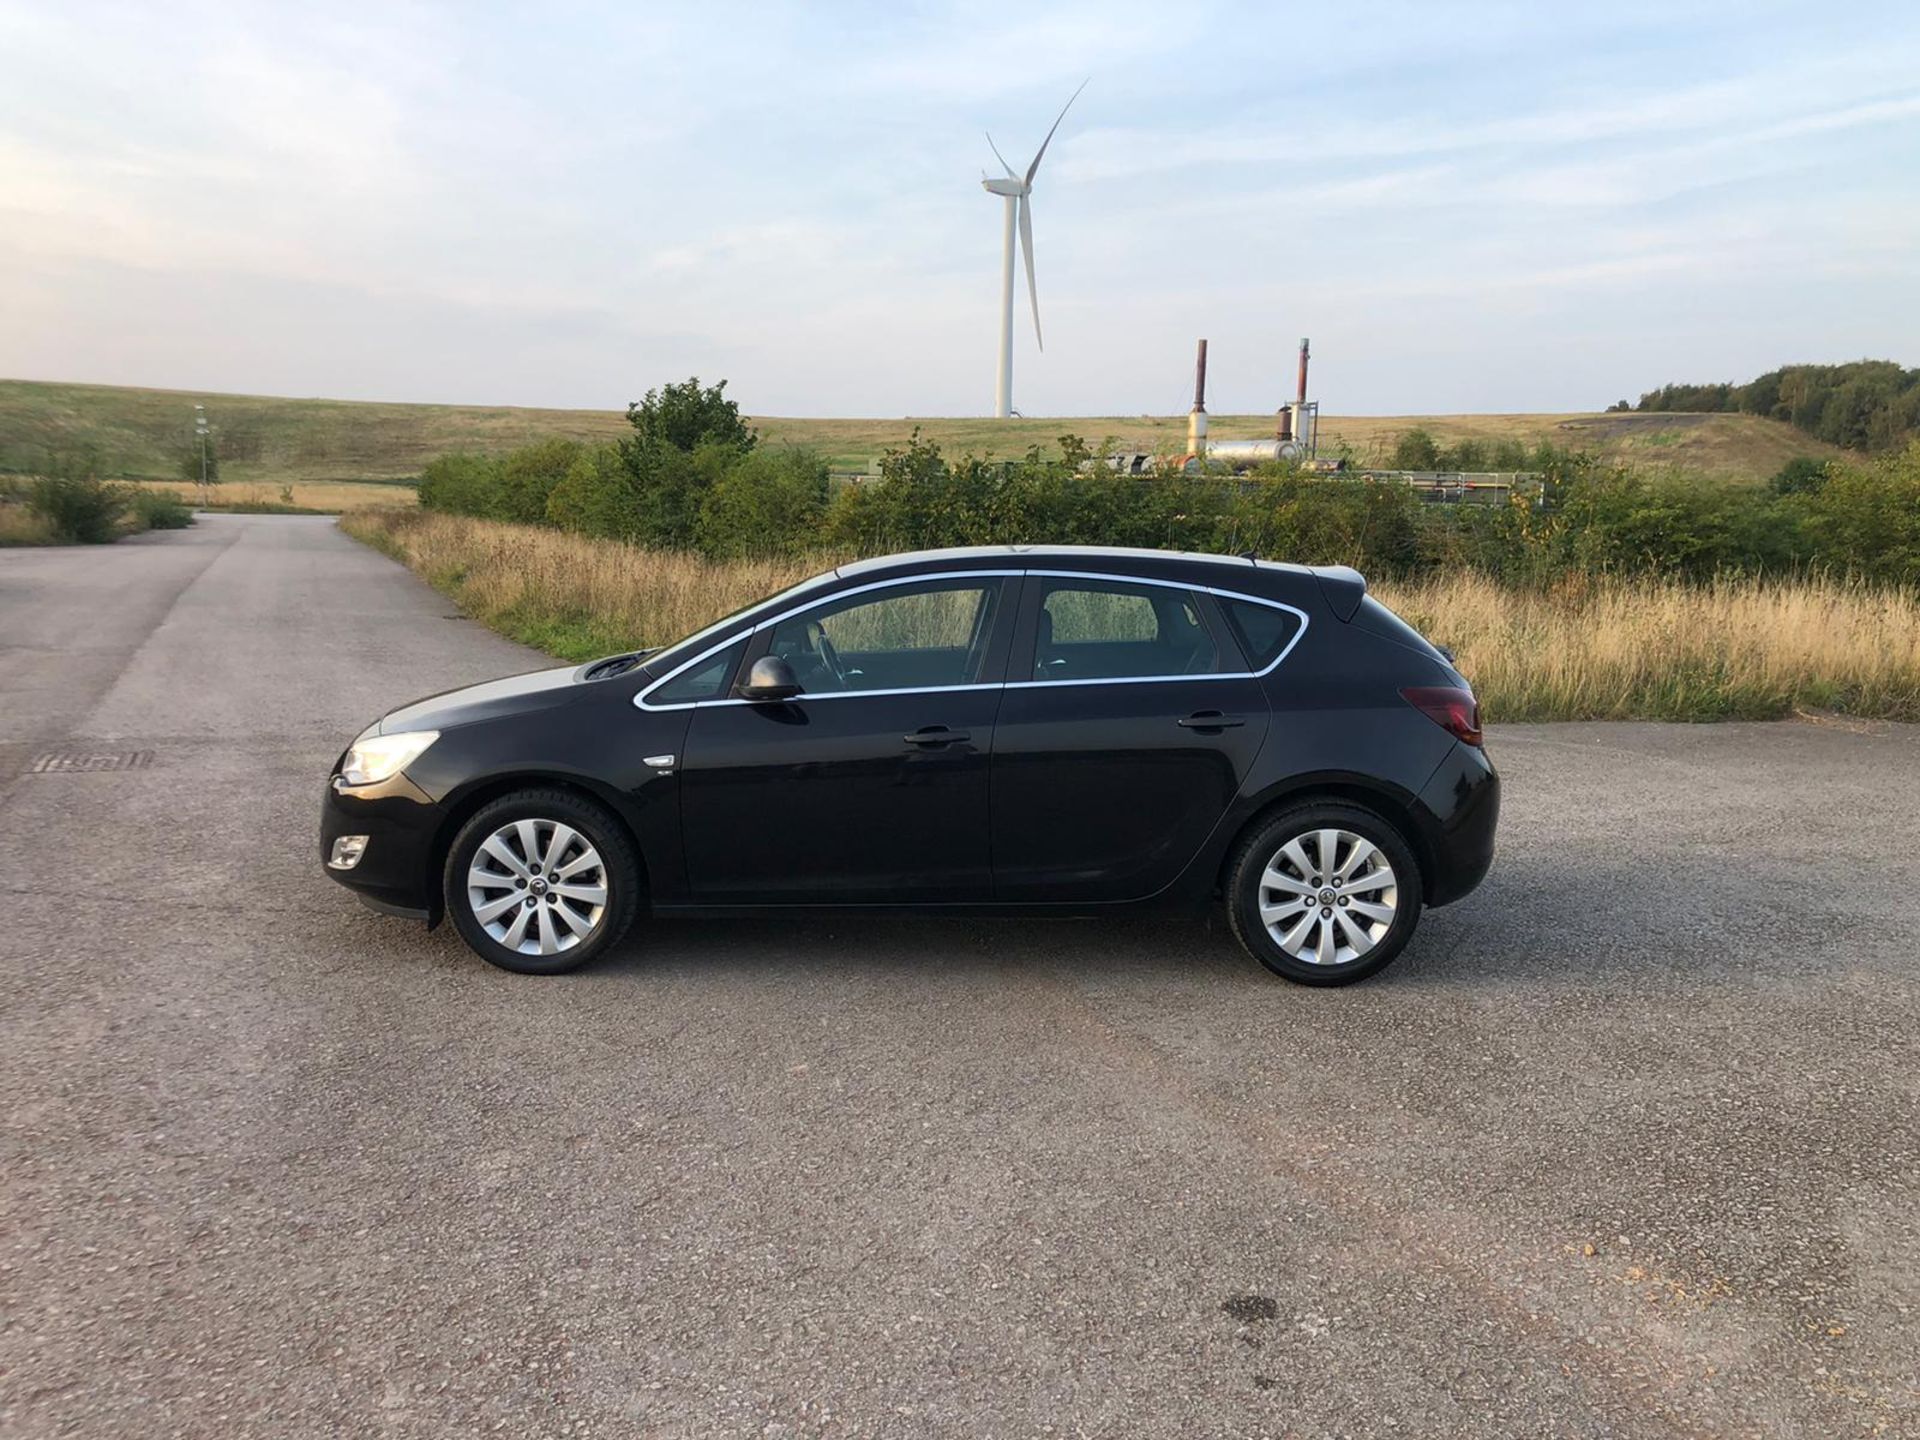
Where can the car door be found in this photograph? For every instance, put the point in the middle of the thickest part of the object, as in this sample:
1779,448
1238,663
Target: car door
1129,723
870,786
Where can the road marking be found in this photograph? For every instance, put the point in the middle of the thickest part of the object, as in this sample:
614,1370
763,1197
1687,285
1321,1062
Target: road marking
68,762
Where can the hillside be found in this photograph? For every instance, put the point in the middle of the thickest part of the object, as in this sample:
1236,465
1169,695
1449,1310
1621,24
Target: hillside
269,440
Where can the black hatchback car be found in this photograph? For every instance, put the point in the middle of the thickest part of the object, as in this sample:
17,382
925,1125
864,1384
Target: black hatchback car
1058,730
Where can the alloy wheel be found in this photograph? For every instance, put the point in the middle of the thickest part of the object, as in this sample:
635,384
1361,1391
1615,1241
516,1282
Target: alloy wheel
1328,896
537,887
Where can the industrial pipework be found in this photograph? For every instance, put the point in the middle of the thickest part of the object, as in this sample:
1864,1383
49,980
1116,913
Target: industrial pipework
1294,433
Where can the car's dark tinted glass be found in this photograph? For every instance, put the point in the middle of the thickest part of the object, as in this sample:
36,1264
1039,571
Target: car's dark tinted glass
902,638
705,681
1263,632
1113,630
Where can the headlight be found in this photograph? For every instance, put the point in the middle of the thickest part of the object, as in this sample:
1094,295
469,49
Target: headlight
374,758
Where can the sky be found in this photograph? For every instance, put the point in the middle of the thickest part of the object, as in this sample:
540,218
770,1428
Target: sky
1469,208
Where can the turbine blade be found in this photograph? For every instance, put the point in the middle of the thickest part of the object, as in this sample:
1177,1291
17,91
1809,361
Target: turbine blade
1012,174
1026,249
1031,169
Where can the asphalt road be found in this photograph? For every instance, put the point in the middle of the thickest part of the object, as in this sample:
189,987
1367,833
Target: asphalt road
1625,1145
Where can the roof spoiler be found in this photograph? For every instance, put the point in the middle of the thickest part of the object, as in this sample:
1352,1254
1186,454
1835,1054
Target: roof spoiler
1342,587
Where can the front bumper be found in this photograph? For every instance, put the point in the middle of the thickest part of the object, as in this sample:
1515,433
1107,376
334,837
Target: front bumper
396,872
1463,801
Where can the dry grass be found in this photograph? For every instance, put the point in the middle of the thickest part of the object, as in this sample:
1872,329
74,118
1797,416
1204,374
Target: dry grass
323,497
1581,650
1586,650
574,597
20,526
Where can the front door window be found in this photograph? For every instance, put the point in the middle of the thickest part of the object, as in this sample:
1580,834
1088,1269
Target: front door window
931,636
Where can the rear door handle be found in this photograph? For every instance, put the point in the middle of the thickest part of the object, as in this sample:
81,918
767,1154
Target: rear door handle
1211,720
936,735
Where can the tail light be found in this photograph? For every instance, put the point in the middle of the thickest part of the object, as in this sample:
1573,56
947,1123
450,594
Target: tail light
1451,707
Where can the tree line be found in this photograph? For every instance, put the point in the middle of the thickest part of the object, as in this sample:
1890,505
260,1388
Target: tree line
693,477
1871,405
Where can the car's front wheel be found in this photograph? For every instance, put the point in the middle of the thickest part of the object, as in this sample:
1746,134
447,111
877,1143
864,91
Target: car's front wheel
1324,893
541,881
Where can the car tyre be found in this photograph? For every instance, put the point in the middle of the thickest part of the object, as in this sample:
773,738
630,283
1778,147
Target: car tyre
1323,921
488,881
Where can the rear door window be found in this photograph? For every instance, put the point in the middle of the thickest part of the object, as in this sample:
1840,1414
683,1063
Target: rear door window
1118,630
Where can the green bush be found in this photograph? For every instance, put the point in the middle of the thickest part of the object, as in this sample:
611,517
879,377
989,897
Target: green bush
595,496
1416,450
922,500
1866,519
687,415
1798,476
462,484
77,505
719,495
765,503
160,510
525,479
650,489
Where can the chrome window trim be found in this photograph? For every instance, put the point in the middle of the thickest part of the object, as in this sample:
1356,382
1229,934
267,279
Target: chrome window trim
1212,590
754,609
640,699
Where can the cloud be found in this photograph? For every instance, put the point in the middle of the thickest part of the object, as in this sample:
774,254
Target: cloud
535,200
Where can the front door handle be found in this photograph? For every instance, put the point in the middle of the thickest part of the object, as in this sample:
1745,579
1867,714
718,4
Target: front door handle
1211,720
936,735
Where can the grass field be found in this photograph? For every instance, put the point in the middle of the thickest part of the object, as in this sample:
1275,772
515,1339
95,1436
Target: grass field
1734,447
269,441
142,434
1579,650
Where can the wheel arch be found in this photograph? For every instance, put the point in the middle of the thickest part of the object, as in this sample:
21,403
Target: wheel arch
467,803
1392,805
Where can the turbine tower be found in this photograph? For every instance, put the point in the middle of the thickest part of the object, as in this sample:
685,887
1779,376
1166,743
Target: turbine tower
1016,189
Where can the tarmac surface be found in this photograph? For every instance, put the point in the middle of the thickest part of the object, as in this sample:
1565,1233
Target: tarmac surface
1625,1145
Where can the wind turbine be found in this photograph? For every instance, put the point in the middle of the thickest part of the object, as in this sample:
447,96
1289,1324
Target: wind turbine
1015,190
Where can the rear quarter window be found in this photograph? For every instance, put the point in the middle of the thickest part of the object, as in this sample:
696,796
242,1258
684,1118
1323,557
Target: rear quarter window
1263,632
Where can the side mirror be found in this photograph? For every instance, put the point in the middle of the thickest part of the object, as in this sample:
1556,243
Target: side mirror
771,678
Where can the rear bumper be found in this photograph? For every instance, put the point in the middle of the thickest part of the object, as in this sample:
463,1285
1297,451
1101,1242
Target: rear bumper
1463,803
395,872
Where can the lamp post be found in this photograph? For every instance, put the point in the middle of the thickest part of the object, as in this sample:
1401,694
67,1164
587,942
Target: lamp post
200,429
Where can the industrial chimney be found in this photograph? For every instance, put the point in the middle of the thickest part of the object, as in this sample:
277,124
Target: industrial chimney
1197,417
1298,420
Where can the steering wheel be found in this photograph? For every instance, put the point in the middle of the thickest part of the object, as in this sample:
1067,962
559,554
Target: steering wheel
830,658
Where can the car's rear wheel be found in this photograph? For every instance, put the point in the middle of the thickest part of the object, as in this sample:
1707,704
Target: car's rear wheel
1324,893
541,881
